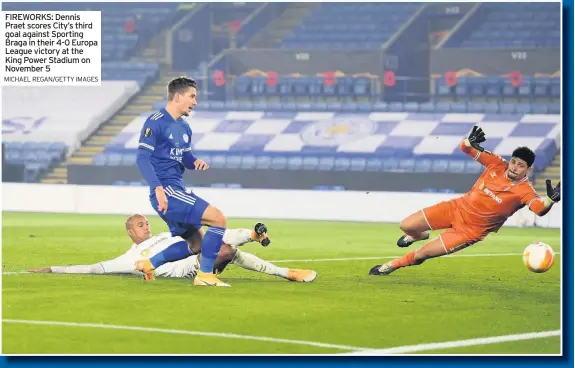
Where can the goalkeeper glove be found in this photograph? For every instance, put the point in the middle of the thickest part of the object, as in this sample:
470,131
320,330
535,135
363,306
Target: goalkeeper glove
553,193
475,137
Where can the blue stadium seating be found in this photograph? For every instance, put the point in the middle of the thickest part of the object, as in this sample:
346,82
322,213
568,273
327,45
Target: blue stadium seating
512,25
222,14
143,73
37,157
350,26
297,141
531,90
351,107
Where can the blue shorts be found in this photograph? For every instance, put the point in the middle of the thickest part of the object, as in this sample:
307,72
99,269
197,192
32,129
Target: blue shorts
185,211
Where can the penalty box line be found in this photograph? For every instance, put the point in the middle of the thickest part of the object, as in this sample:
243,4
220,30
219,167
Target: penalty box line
349,259
406,349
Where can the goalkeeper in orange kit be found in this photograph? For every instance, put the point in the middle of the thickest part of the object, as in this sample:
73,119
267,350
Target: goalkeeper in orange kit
500,191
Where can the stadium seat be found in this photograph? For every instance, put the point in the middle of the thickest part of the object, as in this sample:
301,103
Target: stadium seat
248,162
295,163
279,163
540,108
499,25
390,165
263,162
314,163
440,166
507,108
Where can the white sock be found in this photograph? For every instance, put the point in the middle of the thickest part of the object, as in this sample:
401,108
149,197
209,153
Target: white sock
237,237
253,263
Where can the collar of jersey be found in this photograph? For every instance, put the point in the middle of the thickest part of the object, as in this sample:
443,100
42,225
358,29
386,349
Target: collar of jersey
166,113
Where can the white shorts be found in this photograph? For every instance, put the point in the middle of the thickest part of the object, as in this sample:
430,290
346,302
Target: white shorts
184,268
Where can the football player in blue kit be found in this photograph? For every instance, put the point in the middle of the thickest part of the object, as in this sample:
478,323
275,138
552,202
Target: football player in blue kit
164,152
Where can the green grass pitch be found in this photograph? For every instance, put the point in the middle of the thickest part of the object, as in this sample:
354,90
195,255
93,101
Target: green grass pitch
485,292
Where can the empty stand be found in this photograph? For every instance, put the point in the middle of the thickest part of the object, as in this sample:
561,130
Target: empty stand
393,142
350,26
512,25
61,118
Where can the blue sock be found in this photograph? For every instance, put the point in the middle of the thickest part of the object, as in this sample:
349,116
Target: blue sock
210,248
174,252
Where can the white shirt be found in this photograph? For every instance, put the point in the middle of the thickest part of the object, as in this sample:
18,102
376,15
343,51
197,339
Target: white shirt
125,263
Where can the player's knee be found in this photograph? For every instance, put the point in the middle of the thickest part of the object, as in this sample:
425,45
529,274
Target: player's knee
225,256
214,217
421,255
220,219
194,241
405,225
195,247
226,253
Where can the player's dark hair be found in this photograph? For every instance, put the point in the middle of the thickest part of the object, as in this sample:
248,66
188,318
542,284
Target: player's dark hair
179,85
525,154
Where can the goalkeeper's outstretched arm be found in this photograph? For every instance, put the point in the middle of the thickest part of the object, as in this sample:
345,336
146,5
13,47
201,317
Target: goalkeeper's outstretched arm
542,205
471,146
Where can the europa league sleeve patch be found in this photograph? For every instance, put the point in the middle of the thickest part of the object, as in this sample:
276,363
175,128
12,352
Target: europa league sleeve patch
148,132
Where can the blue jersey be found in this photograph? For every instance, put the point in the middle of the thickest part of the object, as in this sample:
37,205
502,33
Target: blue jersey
168,140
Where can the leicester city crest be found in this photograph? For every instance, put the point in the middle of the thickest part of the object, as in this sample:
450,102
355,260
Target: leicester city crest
335,132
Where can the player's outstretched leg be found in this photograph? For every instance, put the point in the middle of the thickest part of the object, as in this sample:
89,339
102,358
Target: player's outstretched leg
431,249
211,244
415,228
251,262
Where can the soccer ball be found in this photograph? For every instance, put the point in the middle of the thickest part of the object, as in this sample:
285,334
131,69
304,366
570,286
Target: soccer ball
538,257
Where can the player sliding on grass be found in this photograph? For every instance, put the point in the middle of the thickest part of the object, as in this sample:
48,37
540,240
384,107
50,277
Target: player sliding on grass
145,245
500,191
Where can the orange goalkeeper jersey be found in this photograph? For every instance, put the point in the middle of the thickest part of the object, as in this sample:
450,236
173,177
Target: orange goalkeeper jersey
495,197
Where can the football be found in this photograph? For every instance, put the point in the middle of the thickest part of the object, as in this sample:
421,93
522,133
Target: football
538,257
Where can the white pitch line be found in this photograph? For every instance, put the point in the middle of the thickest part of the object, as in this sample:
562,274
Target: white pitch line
350,259
355,350
457,343
15,273
392,257
186,332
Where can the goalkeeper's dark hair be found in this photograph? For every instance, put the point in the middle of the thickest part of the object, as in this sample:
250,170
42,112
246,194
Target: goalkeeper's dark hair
525,154
179,85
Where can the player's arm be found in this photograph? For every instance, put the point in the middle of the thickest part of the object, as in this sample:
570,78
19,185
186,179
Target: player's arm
189,160
542,205
146,147
471,146
120,265
94,269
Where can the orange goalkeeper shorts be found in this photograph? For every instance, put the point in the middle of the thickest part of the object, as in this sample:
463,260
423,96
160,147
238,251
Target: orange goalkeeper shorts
459,235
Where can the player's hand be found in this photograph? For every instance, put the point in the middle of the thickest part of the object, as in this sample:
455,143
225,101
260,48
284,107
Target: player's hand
162,200
41,270
553,193
475,137
201,164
